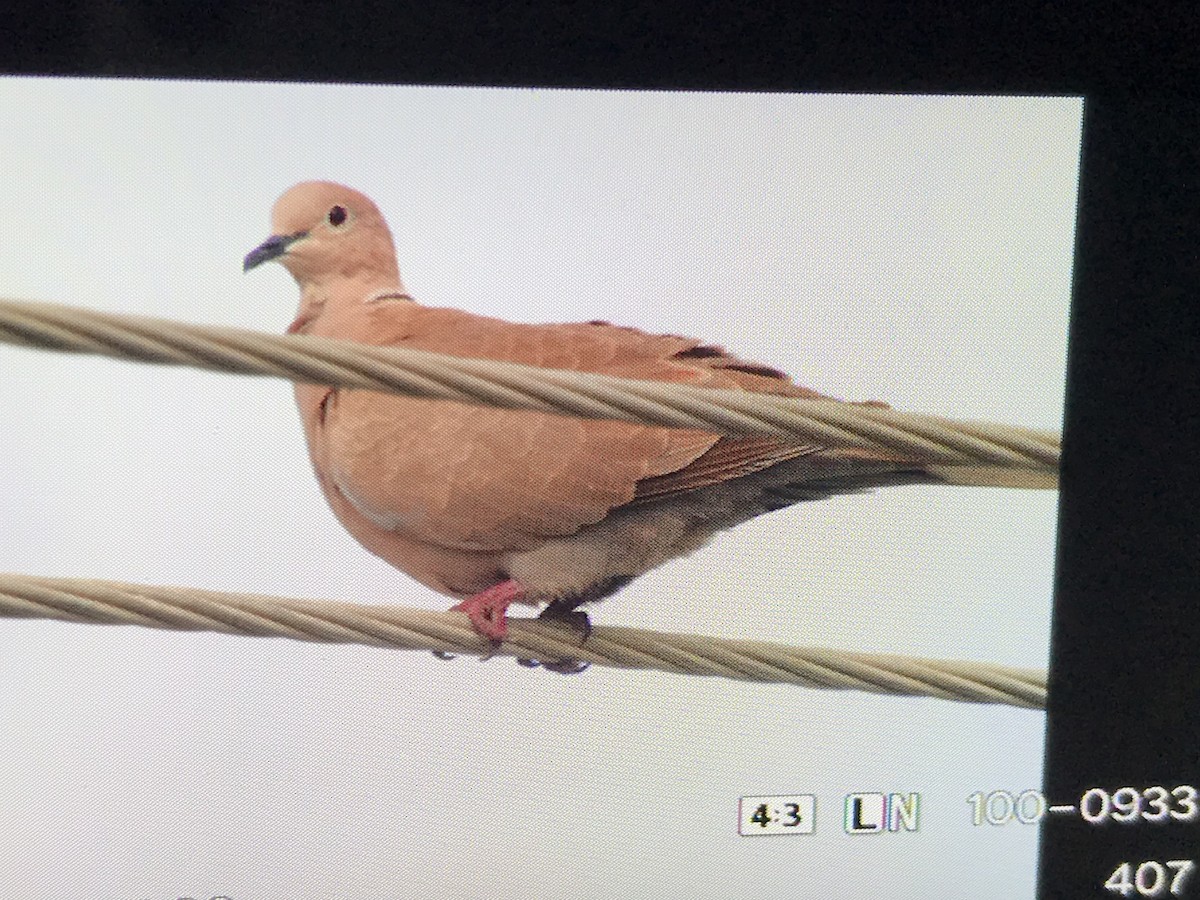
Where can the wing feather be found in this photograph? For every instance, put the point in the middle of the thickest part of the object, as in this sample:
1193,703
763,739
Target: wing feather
480,478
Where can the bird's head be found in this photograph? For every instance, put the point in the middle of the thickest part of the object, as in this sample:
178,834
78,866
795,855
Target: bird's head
323,232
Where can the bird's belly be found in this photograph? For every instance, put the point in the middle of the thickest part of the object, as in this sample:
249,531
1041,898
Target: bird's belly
628,543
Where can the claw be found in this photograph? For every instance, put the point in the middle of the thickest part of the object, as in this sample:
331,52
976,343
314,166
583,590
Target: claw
567,666
493,646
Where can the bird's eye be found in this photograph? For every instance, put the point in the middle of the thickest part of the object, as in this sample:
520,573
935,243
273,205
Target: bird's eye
337,215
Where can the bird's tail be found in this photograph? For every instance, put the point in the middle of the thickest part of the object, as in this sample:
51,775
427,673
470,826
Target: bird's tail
996,476
866,478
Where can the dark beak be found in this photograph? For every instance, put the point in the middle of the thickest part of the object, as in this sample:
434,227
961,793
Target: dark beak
272,248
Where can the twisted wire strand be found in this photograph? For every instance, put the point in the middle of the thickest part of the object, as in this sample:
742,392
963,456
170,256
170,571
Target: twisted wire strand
1032,456
328,621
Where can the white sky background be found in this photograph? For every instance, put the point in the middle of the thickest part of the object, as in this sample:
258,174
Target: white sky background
913,250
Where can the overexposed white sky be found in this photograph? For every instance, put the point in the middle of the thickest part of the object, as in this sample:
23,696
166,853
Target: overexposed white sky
908,249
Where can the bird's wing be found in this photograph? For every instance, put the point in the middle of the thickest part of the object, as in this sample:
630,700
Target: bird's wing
481,478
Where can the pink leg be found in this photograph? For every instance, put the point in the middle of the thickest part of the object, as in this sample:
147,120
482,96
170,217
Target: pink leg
486,609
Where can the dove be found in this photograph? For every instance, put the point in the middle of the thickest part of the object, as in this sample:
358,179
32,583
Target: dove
494,506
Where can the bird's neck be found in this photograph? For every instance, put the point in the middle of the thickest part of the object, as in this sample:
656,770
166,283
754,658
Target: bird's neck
319,299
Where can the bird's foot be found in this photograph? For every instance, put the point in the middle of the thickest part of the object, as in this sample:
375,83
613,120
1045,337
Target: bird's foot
486,609
576,619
